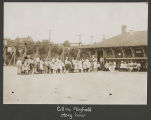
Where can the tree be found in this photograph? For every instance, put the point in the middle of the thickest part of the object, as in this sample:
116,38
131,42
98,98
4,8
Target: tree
45,42
66,43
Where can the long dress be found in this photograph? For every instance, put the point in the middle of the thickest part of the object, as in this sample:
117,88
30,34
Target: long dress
41,65
80,65
19,65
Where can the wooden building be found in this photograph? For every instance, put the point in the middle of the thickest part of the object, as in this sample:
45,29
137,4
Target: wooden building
127,46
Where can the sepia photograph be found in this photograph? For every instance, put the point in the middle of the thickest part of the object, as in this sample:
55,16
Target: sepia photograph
75,53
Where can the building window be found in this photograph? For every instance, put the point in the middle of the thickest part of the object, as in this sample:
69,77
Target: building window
109,54
128,53
139,53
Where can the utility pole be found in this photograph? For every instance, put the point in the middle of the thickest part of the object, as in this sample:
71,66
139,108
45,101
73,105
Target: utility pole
80,41
49,51
25,51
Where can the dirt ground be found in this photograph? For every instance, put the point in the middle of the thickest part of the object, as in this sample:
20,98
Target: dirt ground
75,88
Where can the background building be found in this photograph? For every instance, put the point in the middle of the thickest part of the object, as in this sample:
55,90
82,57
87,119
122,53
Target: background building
127,46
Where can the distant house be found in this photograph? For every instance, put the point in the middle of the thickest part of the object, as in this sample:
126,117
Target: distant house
125,46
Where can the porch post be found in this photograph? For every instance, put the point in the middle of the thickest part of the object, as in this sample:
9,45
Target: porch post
104,55
144,53
96,53
113,52
123,52
133,52
89,53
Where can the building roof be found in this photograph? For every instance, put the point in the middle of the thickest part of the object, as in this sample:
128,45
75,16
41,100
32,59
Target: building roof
137,38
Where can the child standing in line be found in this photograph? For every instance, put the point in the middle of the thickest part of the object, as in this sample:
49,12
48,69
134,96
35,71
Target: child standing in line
76,66
95,65
19,66
56,67
41,66
26,67
35,67
38,64
45,66
88,65
98,66
59,66
84,66
80,66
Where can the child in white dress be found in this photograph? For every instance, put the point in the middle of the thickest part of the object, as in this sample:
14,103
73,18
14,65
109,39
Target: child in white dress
19,66
41,66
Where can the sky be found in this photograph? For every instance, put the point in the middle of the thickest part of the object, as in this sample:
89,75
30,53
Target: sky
67,20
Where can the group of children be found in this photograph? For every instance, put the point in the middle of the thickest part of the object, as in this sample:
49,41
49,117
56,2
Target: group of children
55,65
131,66
123,66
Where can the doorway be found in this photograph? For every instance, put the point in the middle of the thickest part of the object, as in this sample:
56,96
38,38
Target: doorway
99,55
